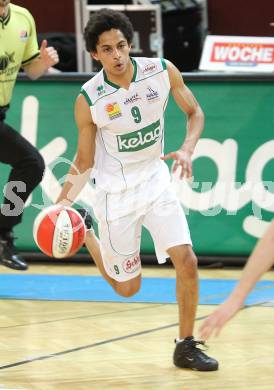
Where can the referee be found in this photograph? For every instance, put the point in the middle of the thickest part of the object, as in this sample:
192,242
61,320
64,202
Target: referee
18,48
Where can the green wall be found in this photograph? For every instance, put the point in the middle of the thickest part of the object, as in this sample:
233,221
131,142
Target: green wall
233,168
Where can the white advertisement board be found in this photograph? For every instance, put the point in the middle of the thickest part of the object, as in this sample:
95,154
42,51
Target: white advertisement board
238,54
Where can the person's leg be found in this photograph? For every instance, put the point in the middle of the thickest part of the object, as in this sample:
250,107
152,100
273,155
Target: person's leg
26,173
185,263
125,289
186,353
117,253
168,227
167,224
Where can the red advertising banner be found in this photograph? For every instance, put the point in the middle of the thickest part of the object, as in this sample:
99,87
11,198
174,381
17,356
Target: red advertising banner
251,54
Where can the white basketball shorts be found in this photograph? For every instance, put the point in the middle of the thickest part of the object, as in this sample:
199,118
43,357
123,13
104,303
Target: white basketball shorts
120,237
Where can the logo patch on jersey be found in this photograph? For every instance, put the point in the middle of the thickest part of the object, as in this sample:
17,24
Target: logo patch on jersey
132,265
149,68
140,139
132,99
23,35
5,60
113,110
100,90
152,95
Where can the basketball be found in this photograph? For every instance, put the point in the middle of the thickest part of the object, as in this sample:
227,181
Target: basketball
59,231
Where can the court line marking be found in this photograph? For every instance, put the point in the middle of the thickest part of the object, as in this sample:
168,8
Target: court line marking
93,345
86,316
81,348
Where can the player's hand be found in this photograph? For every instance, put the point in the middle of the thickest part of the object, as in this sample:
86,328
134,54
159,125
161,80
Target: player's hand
48,55
182,161
215,322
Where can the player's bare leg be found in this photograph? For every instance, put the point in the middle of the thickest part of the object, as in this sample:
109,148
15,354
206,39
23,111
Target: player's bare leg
185,263
93,246
187,353
126,289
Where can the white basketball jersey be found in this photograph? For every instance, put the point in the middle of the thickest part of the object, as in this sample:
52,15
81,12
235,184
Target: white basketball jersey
130,125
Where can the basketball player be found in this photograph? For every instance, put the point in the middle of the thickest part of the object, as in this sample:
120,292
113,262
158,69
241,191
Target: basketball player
261,259
120,116
18,48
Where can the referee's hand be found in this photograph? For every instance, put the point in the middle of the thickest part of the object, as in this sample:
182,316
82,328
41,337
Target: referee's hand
48,55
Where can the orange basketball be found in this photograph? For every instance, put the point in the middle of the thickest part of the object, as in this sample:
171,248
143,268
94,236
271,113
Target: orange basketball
59,231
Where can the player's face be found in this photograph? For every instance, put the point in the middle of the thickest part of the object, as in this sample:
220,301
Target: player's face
3,4
112,51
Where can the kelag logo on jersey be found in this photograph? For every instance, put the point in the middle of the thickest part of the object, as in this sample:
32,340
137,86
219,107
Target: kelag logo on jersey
140,139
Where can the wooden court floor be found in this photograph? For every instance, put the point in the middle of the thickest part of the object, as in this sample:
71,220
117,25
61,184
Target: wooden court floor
50,345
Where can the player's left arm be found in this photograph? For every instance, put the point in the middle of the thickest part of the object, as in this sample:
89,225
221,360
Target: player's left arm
195,121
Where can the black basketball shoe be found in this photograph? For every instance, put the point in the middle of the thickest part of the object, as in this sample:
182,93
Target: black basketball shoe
8,254
86,217
188,355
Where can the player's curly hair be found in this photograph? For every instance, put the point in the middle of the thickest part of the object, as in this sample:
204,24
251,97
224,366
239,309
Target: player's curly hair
104,20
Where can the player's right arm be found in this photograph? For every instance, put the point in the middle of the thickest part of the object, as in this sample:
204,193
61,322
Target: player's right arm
79,171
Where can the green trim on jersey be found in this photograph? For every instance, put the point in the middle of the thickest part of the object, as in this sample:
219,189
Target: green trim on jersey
117,87
124,144
110,82
84,93
134,69
101,97
163,64
132,80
